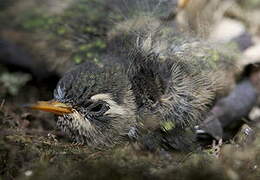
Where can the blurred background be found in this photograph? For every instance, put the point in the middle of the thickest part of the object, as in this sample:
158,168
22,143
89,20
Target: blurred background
41,40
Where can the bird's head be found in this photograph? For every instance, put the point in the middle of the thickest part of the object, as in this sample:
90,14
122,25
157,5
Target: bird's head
95,105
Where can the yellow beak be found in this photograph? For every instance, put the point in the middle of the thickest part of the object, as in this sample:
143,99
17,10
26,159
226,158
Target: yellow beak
183,3
52,106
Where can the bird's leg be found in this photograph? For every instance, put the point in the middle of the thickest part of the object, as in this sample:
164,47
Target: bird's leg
228,113
75,144
216,147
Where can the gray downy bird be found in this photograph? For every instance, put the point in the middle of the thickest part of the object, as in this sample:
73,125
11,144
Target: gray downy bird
155,85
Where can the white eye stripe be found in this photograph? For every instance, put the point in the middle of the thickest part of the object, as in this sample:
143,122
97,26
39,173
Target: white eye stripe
104,97
114,108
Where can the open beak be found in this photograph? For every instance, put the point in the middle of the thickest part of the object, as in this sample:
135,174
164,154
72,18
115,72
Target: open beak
52,106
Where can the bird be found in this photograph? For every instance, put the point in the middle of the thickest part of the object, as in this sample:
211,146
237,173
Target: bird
155,85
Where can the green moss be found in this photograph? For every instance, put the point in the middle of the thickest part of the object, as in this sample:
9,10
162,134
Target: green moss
215,56
77,59
61,30
90,29
89,55
33,21
85,47
83,25
250,3
100,44
96,60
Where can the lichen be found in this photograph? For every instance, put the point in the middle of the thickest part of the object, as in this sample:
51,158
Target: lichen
11,83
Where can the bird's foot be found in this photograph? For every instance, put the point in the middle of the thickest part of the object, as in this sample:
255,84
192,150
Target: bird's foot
216,148
77,144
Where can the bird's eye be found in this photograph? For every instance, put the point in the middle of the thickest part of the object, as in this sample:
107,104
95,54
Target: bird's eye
98,108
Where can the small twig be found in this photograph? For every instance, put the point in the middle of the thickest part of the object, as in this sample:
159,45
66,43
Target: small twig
2,104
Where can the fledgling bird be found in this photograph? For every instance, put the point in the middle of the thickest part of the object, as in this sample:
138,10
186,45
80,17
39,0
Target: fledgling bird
155,85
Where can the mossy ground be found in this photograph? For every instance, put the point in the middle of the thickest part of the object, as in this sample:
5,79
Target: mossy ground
31,148
25,155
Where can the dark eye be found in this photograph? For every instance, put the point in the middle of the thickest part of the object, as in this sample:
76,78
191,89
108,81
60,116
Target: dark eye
98,108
